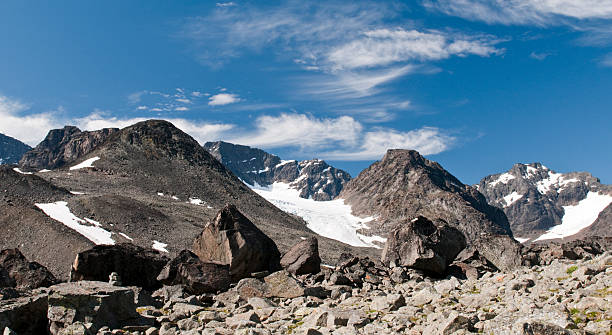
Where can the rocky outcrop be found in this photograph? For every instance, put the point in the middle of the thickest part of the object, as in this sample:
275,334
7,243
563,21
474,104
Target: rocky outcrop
63,146
88,306
135,265
422,245
404,185
11,150
233,239
16,271
303,258
533,196
314,179
195,276
25,315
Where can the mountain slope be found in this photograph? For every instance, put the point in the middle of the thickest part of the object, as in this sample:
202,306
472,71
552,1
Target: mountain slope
404,185
537,199
155,186
63,146
11,150
312,178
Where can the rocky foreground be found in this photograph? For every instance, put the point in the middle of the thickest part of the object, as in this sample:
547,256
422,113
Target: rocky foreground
571,293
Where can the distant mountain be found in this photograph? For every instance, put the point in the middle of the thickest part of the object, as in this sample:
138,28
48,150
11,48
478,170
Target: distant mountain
537,199
63,146
312,178
11,149
404,185
150,184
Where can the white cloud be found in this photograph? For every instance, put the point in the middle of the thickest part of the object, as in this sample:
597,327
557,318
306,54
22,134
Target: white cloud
140,108
30,128
226,4
382,47
223,99
181,109
607,60
426,140
539,55
184,100
539,12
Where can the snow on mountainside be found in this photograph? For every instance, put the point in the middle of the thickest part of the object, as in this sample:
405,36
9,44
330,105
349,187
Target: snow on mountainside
11,150
331,219
313,179
543,204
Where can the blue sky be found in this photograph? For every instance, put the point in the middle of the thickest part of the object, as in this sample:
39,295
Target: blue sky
475,85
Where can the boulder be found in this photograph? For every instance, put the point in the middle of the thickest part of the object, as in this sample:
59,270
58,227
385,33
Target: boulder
303,258
94,304
233,239
194,275
16,271
135,265
421,244
282,285
25,315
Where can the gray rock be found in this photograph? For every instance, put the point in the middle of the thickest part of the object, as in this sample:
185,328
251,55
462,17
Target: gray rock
25,315
303,258
195,276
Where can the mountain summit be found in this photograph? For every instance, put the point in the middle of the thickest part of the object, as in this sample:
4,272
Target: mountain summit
536,199
404,185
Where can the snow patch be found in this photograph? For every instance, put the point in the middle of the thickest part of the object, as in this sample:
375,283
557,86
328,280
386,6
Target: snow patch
88,163
283,162
127,237
76,192
554,180
44,170
579,216
18,170
59,211
511,198
521,239
504,178
332,219
159,246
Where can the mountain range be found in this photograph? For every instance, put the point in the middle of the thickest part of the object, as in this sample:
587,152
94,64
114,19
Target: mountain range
11,150
153,185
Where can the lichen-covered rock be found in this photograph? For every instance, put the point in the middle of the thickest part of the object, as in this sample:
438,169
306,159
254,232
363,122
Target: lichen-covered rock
194,275
233,239
94,304
303,258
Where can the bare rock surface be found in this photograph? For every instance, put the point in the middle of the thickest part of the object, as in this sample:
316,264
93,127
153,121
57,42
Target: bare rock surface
136,266
25,315
303,258
195,276
233,239
16,271
421,244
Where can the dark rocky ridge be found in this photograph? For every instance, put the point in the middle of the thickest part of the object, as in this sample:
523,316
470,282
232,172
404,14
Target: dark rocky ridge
121,192
11,150
63,146
533,196
313,178
404,185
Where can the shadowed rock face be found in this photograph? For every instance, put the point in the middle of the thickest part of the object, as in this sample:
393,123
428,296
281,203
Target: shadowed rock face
422,245
11,150
533,196
63,146
404,185
312,178
16,271
135,265
195,276
233,239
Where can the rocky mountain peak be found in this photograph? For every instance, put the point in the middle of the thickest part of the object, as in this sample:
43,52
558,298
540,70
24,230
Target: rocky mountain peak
63,146
535,197
312,178
11,150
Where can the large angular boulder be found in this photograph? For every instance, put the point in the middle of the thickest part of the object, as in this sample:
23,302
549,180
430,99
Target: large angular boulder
195,276
423,245
16,271
25,315
303,258
135,265
233,239
92,303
